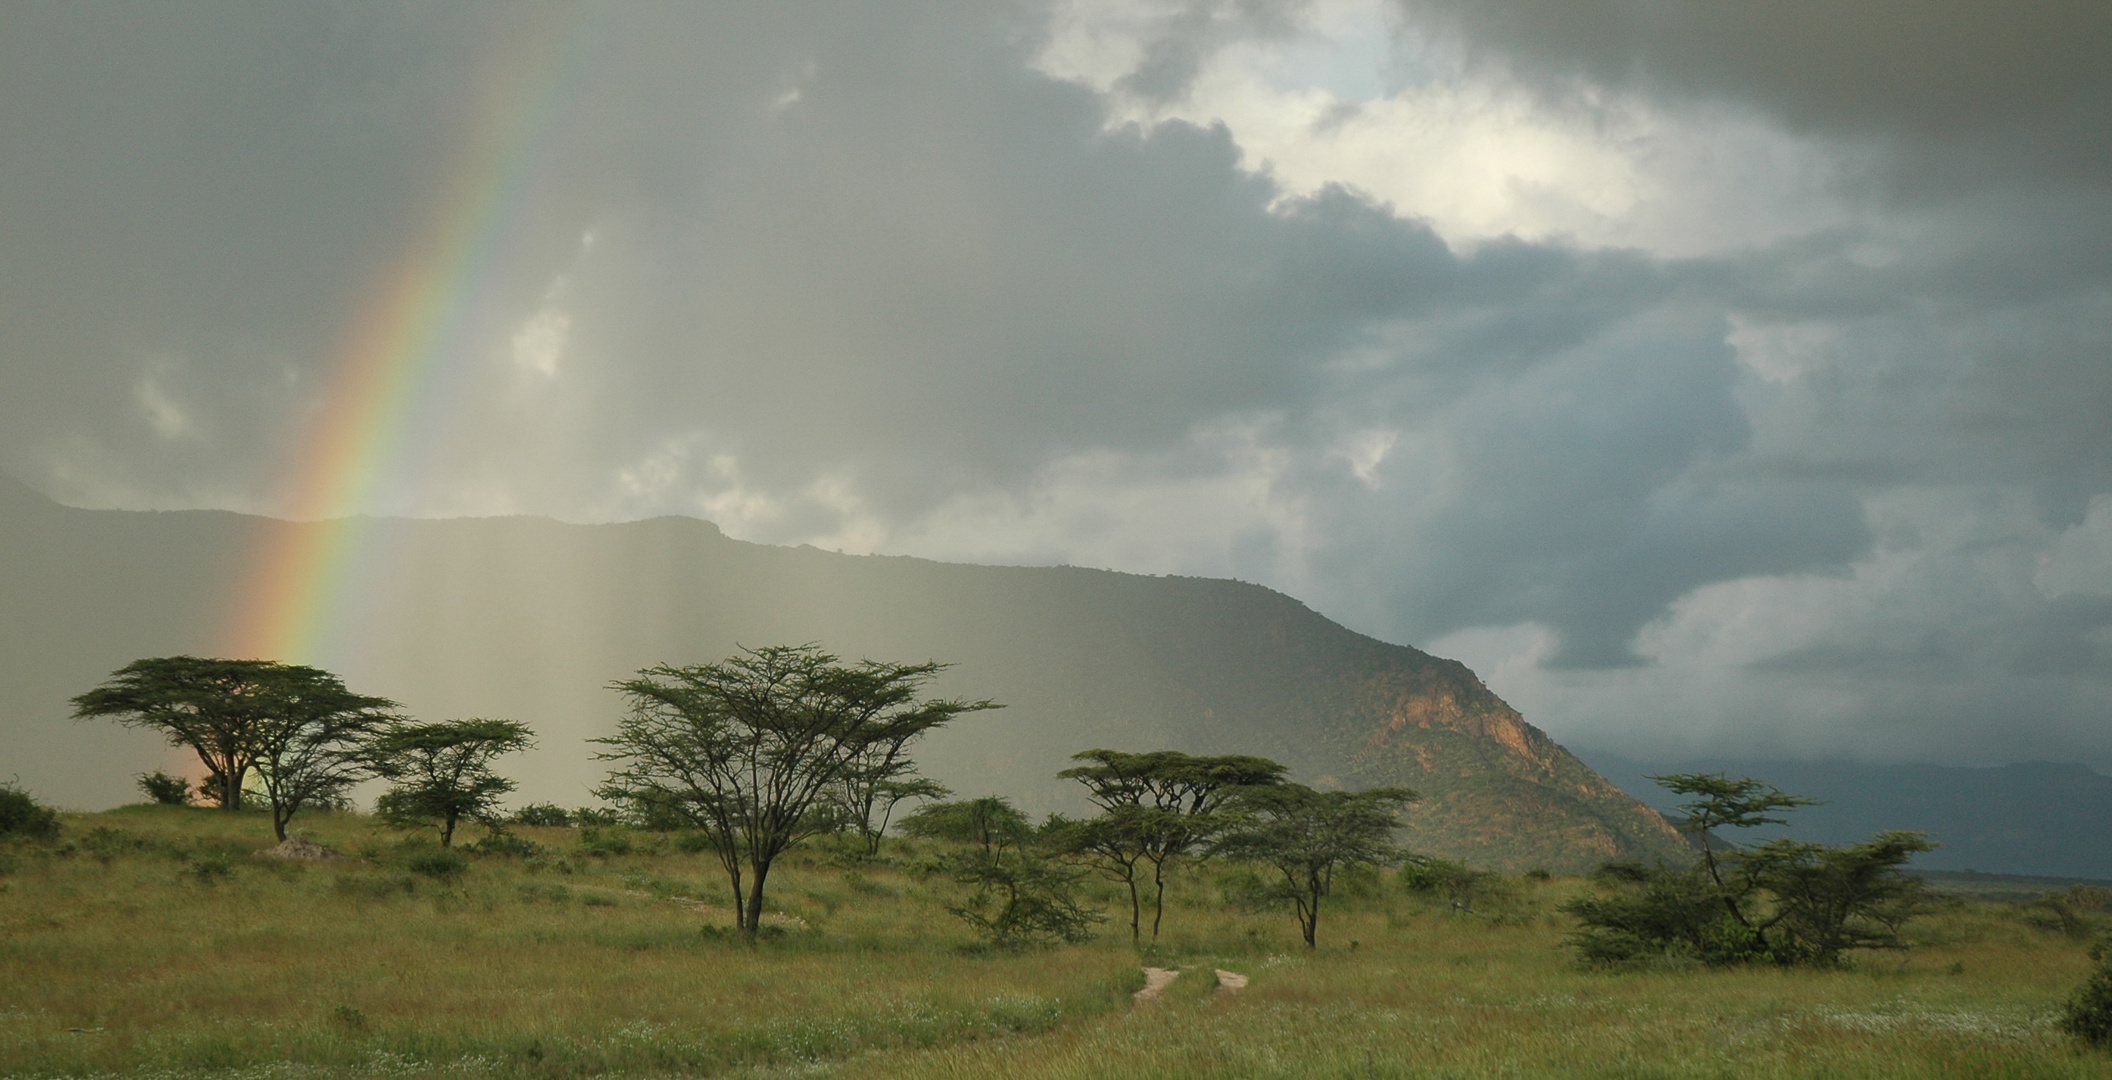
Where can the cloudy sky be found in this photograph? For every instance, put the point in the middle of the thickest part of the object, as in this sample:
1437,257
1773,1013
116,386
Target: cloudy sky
1711,376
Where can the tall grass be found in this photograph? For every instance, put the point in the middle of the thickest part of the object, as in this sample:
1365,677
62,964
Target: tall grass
159,945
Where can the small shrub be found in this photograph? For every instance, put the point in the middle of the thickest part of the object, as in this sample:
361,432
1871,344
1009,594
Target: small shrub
1464,889
210,868
543,815
657,817
2088,1013
604,840
351,1017
505,843
1658,915
693,841
440,864
590,816
164,789
1020,900
22,816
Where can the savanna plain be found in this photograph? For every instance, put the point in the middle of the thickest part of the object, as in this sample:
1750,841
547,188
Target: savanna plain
153,941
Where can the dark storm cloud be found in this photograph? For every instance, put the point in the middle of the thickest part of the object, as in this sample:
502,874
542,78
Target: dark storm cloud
2025,80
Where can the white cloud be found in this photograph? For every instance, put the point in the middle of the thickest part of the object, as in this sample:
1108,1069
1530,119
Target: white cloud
1357,100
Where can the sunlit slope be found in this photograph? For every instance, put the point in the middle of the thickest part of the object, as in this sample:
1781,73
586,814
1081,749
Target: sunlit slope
530,618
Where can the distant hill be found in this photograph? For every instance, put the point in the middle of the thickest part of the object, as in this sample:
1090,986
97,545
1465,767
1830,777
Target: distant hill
2032,818
530,618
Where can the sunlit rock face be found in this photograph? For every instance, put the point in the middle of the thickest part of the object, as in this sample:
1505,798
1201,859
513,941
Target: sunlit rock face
1496,789
530,619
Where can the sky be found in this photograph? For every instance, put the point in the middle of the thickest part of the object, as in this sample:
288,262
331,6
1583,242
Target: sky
1713,378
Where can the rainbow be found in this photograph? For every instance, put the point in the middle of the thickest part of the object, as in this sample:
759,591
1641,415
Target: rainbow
390,375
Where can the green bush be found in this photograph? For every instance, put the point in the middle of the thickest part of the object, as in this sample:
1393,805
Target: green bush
1657,914
1021,900
604,840
440,864
165,789
2088,1014
22,816
1462,888
545,815
210,868
505,843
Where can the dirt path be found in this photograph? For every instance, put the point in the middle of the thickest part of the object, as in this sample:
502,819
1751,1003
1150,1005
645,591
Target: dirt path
1230,982
1155,981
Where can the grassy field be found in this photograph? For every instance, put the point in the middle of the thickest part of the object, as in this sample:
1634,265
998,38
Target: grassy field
152,942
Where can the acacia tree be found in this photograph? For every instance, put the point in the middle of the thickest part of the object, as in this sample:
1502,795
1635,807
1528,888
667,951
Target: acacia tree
748,749
207,705
1828,900
991,823
1785,900
1020,896
1156,807
1722,803
881,777
442,771
1307,835
1113,842
310,738
296,727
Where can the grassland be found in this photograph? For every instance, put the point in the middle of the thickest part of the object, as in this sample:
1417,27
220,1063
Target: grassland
152,942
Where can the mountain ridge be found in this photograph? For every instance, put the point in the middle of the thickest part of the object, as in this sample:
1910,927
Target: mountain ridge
530,618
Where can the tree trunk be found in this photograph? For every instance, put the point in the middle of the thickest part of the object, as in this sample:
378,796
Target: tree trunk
1136,910
1708,859
1158,899
447,831
1314,890
740,900
753,921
